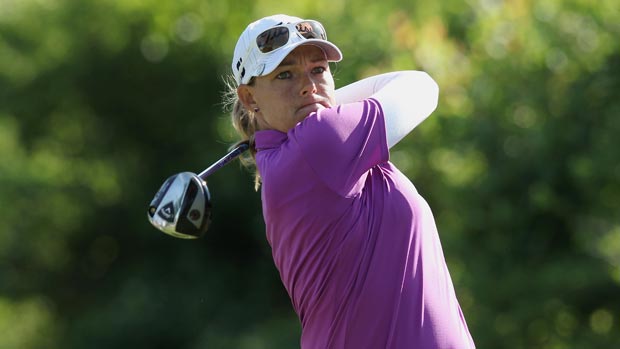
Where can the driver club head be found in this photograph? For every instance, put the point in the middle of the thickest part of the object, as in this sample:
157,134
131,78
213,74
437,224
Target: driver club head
182,206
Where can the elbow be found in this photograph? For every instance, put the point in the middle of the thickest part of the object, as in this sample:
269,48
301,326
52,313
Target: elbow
425,91
433,93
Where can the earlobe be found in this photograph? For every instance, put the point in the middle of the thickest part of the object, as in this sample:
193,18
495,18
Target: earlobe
246,97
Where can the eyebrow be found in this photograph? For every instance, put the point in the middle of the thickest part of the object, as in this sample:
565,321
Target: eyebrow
291,61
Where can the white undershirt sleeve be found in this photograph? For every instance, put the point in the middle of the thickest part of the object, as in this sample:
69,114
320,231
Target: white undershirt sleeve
407,98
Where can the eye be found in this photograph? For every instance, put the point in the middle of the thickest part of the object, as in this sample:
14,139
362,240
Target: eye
319,70
284,75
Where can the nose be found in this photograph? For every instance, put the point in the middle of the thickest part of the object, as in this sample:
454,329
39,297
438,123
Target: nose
308,84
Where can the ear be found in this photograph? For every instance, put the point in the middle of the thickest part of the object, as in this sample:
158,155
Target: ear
246,96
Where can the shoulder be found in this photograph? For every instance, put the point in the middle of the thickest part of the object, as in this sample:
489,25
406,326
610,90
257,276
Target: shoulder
341,117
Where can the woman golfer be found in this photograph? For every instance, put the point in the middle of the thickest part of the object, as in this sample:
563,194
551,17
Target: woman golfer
355,244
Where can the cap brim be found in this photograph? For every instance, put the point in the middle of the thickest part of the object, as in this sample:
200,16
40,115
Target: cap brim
332,53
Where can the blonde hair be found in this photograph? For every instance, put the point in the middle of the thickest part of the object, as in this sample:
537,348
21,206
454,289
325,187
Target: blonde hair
245,123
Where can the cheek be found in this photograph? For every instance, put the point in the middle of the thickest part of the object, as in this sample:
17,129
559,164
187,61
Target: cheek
278,101
328,79
274,104
268,99
329,89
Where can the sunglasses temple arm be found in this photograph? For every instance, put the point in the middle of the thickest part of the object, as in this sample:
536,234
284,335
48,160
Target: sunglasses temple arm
224,160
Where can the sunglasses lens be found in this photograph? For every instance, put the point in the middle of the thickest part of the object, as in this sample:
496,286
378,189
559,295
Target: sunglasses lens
311,30
272,39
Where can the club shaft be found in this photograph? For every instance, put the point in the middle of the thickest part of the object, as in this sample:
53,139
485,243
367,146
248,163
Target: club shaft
224,160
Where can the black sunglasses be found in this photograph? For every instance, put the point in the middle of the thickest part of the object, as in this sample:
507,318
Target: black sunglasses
280,35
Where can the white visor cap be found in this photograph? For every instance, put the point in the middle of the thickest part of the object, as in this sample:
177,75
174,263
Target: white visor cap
249,61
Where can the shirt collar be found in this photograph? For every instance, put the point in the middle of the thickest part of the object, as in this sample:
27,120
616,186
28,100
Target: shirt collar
269,139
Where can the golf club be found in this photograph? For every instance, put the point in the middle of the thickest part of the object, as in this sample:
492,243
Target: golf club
182,206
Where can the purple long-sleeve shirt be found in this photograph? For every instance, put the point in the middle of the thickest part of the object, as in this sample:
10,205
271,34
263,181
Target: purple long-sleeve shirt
355,244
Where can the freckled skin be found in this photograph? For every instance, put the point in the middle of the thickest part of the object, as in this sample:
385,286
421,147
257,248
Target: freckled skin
301,84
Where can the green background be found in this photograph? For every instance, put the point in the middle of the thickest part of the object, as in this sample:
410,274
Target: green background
102,100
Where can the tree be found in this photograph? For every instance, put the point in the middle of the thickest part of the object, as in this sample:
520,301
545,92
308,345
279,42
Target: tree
100,101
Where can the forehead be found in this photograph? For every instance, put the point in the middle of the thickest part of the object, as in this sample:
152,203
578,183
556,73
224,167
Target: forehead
304,53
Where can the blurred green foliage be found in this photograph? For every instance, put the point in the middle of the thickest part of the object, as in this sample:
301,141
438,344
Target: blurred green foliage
101,100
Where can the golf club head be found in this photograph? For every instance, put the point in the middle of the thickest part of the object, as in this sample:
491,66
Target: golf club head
182,206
